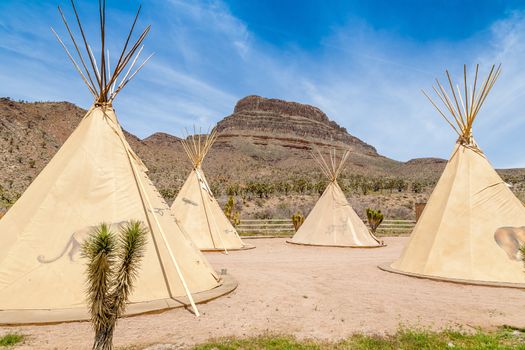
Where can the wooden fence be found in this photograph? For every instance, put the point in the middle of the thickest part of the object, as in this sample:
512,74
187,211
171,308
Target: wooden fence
284,227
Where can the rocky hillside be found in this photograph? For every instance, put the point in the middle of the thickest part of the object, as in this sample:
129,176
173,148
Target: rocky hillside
262,151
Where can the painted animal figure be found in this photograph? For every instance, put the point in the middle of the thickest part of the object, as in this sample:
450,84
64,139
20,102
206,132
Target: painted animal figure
510,239
74,243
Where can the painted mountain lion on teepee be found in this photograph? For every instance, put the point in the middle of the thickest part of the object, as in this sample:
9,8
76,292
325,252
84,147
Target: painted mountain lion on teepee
74,244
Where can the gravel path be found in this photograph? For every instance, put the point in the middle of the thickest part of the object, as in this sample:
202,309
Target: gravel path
311,292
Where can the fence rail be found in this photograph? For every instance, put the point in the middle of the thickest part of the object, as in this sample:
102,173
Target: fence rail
284,227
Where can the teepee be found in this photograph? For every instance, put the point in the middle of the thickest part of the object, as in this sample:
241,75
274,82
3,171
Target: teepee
94,177
196,209
332,221
472,225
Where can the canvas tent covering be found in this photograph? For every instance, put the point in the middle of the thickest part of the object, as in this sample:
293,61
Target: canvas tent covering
332,221
195,207
95,177
472,225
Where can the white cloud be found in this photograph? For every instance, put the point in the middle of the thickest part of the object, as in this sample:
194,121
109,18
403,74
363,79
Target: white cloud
205,59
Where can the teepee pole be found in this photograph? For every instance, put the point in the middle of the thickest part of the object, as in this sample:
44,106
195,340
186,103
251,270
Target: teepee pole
170,251
79,53
91,89
144,196
206,213
199,143
321,166
441,113
326,165
464,110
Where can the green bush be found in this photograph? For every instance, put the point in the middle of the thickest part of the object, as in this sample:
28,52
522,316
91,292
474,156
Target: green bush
375,218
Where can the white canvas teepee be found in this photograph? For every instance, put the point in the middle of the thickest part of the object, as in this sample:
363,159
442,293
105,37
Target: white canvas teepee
195,207
332,221
95,177
472,225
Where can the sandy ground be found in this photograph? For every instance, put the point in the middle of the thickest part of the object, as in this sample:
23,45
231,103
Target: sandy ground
309,292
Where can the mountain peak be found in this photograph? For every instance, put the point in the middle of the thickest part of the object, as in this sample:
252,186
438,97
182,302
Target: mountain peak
274,118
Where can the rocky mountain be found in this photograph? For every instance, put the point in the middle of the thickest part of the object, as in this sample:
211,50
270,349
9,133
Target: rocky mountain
287,122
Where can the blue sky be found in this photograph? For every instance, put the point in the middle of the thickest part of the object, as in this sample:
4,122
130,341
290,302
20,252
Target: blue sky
364,63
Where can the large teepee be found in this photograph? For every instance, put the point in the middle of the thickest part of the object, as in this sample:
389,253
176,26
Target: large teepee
332,221
195,207
95,177
472,225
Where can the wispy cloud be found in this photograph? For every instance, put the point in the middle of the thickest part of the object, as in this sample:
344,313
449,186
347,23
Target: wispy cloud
206,59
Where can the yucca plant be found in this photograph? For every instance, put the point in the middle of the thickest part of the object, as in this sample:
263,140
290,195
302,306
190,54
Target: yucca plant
375,218
113,262
231,213
297,220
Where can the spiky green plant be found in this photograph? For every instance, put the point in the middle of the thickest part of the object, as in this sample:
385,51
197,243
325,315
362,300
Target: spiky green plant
113,263
231,213
375,218
297,220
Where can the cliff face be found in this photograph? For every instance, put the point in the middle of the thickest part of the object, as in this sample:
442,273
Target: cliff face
288,122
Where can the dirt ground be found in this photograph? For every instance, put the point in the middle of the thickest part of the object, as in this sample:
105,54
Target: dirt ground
308,292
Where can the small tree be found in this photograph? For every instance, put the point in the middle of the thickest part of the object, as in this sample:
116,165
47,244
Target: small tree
112,268
375,218
417,187
297,220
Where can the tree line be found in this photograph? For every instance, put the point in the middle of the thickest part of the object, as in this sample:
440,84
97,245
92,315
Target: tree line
351,184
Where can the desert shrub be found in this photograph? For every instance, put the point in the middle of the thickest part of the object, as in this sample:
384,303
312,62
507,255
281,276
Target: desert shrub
377,184
283,210
215,189
375,218
168,193
417,187
11,339
233,189
365,188
297,220
401,185
230,212
301,185
320,186
264,214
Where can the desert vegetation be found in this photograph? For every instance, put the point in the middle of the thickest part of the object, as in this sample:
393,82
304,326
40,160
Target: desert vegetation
297,220
404,338
11,339
375,218
113,264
